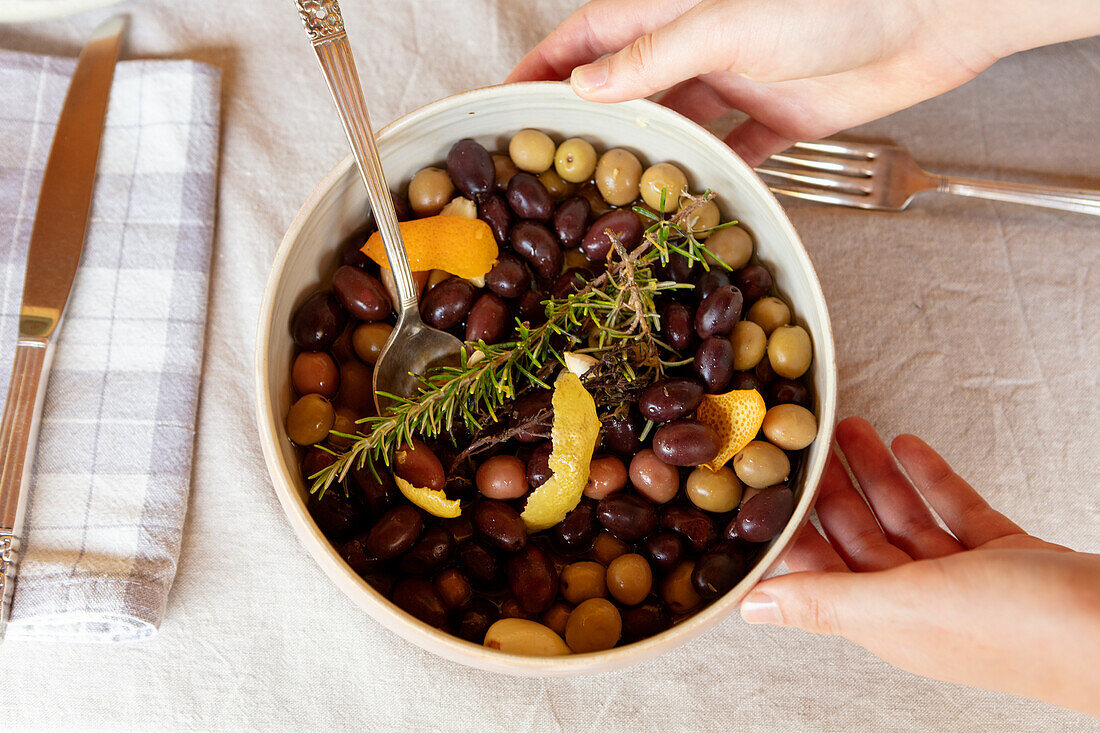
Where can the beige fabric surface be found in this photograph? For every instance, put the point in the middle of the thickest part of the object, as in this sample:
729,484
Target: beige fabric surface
970,323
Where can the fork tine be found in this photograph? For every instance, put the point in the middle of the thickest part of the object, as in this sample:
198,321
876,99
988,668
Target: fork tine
824,180
844,167
836,147
824,197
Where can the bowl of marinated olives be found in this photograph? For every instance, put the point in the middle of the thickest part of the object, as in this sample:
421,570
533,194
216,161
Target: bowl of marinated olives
642,412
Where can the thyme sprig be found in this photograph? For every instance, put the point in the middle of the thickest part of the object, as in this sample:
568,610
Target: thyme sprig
618,307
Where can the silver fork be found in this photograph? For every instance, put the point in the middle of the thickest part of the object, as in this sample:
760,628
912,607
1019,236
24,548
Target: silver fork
886,177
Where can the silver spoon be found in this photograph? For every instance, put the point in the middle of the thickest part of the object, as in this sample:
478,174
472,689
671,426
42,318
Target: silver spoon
412,348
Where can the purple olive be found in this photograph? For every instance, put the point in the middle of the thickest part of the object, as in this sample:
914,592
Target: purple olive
714,363
534,242
418,597
677,324
471,168
361,294
710,281
574,534
434,548
533,579
783,391
718,570
445,305
764,515
509,277
571,221
664,550
494,211
488,320
318,321
395,533
623,225
628,517
538,465
693,525
685,443
500,525
718,312
529,198
620,434
670,399
753,281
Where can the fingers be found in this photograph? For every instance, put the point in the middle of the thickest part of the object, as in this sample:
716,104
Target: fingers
822,603
597,28
849,524
810,551
683,48
755,142
897,505
695,100
962,509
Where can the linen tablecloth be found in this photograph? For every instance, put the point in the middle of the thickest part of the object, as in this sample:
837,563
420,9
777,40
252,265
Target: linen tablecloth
970,323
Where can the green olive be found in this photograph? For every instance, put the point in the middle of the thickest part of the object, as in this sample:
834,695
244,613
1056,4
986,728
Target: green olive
368,339
575,160
790,351
769,313
593,626
790,426
714,491
555,185
749,344
618,175
629,579
429,191
662,185
310,419
731,245
532,150
703,219
761,464
583,580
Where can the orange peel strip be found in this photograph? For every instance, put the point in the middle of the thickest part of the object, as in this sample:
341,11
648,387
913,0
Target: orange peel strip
463,247
433,501
736,417
574,433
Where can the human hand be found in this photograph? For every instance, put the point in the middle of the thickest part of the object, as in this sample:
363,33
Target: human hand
984,604
800,69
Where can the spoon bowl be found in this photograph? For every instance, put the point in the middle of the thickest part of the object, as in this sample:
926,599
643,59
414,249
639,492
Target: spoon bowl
413,349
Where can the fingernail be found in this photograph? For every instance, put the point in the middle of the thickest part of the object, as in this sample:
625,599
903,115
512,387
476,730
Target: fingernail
592,76
760,608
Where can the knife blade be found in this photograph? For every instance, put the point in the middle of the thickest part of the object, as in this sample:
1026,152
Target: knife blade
57,239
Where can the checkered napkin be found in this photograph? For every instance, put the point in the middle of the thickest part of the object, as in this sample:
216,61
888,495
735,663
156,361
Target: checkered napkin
113,468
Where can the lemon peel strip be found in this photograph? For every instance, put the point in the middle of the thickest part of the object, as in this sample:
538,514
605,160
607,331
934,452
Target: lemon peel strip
433,501
463,247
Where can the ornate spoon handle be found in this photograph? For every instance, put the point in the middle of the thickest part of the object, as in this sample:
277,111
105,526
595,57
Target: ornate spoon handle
325,27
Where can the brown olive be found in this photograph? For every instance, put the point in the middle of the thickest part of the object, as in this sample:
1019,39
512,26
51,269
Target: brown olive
533,414
471,168
622,224
620,434
417,464
593,626
653,478
575,160
504,169
314,372
782,391
677,589
310,419
732,246
480,565
606,475
453,588
336,514
502,477
646,620
791,427
316,459
764,515
528,198
583,580
662,185
368,340
628,517
429,191
318,321
500,525
713,491
571,221
664,551
532,150
435,548
488,319
575,533
591,194
761,464
754,282
538,466
509,277
714,363
533,242
378,493
629,579
691,524
494,211
356,388
685,443
533,579
749,343
790,351
606,547
618,176
445,305
346,422
395,532
718,570
476,619
718,312
354,552
418,597
769,313
557,616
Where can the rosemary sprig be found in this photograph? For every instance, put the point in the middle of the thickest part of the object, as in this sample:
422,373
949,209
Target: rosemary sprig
618,305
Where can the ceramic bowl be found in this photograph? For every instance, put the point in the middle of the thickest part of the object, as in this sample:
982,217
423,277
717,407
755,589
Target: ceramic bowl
306,259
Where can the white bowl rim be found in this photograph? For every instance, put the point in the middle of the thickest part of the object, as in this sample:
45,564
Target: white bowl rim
441,642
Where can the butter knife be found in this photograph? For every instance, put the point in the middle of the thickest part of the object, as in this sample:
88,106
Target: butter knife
57,239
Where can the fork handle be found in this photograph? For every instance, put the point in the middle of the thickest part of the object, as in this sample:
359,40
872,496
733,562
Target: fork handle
1080,200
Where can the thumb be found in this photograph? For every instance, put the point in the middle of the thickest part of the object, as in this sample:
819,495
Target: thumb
652,62
822,603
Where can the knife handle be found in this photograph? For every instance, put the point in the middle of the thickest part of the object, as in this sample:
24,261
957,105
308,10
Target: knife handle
18,435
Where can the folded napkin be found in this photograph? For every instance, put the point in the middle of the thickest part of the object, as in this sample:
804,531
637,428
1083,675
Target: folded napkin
113,469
